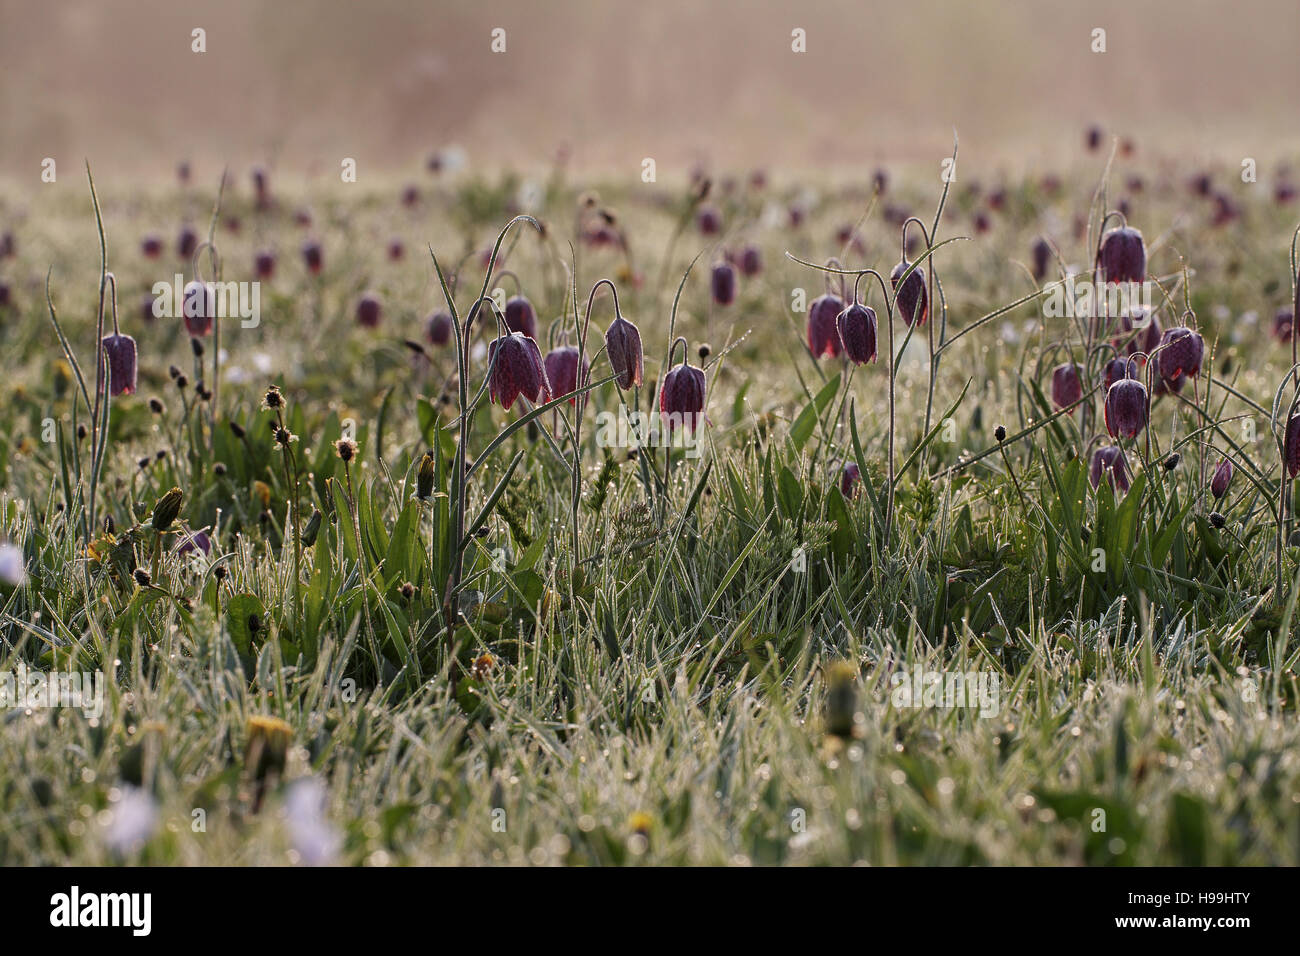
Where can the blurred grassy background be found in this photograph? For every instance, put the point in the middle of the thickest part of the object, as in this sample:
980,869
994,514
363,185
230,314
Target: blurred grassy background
301,84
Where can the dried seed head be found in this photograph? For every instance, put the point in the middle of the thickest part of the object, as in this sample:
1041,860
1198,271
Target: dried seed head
346,449
425,475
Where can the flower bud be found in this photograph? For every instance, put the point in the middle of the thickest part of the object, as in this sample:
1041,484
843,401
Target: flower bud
311,529
166,509
425,476
1222,479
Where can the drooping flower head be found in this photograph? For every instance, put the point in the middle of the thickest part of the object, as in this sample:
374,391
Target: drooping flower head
1123,256
913,300
369,311
1109,462
623,346
850,476
857,330
1067,385
562,371
438,328
1291,446
681,397
517,369
119,356
1127,408
521,316
199,308
1116,369
1181,353
823,336
722,283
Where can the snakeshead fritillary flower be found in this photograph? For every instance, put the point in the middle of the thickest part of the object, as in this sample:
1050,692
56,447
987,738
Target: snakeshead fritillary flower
518,370
1117,369
1109,461
1282,324
312,256
119,356
1222,479
1181,353
912,299
1042,257
623,346
722,282
438,328
1139,333
751,260
857,330
1067,387
681,399
1127,408
264,264
1123,256
562,371
1291,446
199,306
521,316
823,336
369,311
849,479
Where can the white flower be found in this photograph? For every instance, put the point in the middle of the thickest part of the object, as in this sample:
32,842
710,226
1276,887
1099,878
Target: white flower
133,817
314,838
12,570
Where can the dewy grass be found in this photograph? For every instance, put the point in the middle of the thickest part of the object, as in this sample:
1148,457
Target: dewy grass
922,610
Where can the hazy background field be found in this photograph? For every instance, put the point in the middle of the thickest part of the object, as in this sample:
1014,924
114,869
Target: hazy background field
301,84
